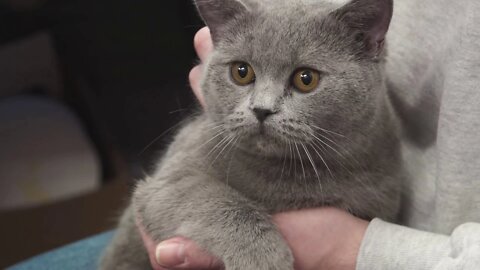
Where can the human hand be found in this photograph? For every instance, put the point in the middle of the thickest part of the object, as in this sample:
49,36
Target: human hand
324,238
182,247
203,46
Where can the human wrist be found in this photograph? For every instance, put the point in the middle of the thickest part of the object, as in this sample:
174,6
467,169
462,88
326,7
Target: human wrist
344,253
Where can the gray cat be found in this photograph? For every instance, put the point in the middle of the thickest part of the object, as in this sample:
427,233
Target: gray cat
297,116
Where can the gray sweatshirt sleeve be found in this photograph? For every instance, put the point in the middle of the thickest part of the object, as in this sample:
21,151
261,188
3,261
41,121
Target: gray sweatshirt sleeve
392,247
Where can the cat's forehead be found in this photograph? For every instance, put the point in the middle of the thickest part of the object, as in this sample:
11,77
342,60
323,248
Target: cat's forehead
284,36
290,3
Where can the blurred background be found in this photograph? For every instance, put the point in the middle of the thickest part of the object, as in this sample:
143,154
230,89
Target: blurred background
89,93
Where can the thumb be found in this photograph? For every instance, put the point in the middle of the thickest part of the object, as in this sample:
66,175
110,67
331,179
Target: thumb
181,253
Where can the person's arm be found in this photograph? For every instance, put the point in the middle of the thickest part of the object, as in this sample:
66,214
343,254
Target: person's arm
330,239
324,238
385,246
392,247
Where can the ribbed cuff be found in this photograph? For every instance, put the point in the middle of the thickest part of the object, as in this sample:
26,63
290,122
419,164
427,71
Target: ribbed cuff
388,246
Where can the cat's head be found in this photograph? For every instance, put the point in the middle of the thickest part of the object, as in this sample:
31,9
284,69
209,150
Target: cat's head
287,72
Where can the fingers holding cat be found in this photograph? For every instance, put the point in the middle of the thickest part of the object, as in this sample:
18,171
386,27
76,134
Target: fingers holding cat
179,253
203,46
203,43
183,254
323,238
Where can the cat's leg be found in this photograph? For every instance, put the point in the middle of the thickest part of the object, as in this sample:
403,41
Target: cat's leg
126,251
216,217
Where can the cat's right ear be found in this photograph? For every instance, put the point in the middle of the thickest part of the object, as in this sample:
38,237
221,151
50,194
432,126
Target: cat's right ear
217,13
371,19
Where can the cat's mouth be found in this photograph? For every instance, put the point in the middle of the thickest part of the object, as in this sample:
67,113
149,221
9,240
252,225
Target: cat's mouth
262,130
254,133
262,141
268,140
266,136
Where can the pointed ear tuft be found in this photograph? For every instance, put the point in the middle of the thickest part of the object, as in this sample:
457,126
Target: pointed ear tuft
217,13
370,19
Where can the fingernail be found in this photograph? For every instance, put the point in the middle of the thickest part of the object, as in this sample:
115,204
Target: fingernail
170,254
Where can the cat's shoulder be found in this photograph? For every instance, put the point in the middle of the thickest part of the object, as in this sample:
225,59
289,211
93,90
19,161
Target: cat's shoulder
186,148
193,132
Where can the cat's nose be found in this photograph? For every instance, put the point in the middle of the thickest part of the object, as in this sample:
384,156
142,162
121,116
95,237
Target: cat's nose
262,113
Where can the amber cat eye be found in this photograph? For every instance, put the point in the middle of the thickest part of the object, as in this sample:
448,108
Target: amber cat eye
242,73
306,80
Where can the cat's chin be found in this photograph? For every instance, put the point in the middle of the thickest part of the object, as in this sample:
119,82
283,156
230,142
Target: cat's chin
262,143
265,140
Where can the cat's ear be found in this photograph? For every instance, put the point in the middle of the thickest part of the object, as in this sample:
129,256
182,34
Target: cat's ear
370,19
217,13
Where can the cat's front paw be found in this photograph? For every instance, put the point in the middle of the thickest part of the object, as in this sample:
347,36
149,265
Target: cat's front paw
269,253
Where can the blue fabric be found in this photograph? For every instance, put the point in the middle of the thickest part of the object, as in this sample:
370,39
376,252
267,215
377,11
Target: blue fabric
81,255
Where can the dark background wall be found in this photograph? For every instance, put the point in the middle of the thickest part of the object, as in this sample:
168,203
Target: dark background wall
124,66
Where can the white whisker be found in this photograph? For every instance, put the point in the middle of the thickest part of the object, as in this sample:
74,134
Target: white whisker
160,136
284,161
301,161
350,156
231,158
219,144
328,131
328,145
223,149
290,157
211,139
323,160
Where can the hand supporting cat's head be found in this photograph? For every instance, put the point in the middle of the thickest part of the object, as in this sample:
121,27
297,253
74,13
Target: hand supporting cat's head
290,72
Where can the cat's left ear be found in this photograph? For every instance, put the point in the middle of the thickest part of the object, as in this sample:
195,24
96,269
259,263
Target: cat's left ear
217,13
370,19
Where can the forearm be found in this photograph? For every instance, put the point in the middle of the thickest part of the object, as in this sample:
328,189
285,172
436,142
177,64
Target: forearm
216,217
165,208
391,247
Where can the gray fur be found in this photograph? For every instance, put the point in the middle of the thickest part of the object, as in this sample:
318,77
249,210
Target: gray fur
225,173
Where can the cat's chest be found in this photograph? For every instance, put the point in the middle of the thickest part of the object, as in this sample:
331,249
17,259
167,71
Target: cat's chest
280,186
